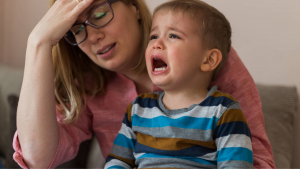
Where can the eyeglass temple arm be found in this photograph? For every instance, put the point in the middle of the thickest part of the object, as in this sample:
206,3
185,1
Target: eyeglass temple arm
112,1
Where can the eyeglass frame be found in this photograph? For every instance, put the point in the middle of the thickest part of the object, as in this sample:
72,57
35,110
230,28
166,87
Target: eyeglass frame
109,2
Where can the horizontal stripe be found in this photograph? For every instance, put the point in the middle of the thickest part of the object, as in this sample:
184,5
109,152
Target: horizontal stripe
123,141
116,167
147,102
175,132
122,152
235,164
115,163
191,151
173,144
183,122
198,111
170,163
235,154
234,140
148,113
126,121
232,115
231,128
209,101
221,94
216,101
175,158
126,131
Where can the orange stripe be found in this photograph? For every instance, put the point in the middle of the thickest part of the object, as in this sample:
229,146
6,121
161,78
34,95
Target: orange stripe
130,162
128,111
149,95
220,94
171,143
232,115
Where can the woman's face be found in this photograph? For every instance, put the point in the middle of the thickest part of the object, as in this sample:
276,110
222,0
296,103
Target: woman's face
116,46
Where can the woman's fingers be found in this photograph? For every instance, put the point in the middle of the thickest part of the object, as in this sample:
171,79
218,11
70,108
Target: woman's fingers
80,6
58,20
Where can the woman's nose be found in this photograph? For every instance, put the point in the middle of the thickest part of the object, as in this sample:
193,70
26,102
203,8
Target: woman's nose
93,34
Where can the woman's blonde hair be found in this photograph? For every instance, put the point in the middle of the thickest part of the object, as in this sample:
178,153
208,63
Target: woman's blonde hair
72,67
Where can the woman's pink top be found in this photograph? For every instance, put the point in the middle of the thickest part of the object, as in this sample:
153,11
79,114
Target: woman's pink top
104,115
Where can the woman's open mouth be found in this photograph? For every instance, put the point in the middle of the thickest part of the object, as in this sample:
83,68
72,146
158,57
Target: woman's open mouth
158,65
106,51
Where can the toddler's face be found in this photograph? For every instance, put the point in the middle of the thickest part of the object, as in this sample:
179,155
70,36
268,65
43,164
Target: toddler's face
174,53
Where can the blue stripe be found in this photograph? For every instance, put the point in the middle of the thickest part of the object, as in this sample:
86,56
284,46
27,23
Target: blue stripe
215,101
235,153
146,102
189,158
109,158
236,127
116,167
123,141
183,122
191,151
210,101
126,121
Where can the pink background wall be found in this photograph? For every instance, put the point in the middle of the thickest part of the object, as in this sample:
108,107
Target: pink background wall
18,18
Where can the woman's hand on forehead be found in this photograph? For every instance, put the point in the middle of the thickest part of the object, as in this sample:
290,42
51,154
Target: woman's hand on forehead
58,20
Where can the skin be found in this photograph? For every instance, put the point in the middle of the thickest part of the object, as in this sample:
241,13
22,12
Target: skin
175,39
36,121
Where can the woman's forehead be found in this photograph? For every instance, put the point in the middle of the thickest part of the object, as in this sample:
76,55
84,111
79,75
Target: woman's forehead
93,5
83,16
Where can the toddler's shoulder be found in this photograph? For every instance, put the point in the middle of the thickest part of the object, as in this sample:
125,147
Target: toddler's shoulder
218,98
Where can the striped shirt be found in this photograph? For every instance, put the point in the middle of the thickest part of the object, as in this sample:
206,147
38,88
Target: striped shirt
212,134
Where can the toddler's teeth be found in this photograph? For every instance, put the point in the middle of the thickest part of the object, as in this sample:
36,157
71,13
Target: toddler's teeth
160,69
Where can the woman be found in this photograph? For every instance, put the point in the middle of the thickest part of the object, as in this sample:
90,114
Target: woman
98,68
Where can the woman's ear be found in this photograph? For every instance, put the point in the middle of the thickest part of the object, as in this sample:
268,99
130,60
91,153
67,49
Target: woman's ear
211,60
136,10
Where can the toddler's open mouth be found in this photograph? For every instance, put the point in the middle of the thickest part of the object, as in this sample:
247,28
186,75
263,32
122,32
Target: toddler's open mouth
158,64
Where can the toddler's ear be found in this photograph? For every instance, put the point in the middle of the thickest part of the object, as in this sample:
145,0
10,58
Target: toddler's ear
211,60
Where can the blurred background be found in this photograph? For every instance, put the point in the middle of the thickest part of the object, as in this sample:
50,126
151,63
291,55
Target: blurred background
266,35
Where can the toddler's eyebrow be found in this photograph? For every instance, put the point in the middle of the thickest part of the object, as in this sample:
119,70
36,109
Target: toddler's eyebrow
153,29
169,28
176,30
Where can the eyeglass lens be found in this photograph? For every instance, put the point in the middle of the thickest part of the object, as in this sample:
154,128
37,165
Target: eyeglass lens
98,18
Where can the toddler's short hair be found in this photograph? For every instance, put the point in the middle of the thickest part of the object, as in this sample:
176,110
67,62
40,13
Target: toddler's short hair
215,29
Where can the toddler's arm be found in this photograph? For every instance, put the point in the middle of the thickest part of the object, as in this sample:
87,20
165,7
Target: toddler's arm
121,154
233,139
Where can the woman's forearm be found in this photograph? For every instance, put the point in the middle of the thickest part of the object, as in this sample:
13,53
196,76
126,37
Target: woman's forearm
36,116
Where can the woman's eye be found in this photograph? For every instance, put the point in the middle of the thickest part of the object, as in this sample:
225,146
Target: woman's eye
153,37
174,36
100,15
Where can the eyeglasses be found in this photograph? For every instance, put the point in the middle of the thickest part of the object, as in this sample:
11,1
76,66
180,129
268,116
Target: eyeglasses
98,18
